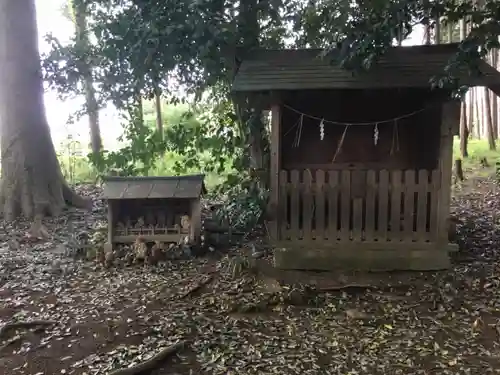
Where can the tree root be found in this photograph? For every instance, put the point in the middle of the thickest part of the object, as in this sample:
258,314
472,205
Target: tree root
26,190
151,363
74,200
26,325
196,287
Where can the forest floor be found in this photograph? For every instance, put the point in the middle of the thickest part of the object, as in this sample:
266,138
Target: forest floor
264,323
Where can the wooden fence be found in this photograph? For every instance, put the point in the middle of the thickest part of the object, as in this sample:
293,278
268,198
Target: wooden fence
358,205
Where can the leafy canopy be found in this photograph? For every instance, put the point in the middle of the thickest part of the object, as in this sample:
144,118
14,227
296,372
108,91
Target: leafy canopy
140,47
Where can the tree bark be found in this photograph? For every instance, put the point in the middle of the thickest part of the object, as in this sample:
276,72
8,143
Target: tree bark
427,34
449,28
32,183
464,131
479,113
249,31
92,108
159,119
471,117
493,97
489,121
437,30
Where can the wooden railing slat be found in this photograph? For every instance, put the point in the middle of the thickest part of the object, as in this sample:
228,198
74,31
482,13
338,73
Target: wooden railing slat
345,205
395,220
283,202
294,205
409,204
383,205
423,188
333,207
371,196
320,212
358,183
433,223
308,205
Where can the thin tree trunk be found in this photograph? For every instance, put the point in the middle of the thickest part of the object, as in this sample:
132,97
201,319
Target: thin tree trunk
249,31
159,119
427,25
450,32
489,121
464,132
437,30
92,108
479,113
32,182
471,98
427,34
139,111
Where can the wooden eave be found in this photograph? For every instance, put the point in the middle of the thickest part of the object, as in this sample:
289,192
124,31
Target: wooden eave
401,67
158,187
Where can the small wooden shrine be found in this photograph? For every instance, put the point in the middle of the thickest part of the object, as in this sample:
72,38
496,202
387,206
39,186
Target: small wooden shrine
360,163
165,209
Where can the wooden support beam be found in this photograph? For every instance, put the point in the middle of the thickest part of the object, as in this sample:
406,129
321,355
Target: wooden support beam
275,168
450,117
195,229
111,222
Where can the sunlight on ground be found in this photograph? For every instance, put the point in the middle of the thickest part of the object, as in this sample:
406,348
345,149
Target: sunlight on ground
477,149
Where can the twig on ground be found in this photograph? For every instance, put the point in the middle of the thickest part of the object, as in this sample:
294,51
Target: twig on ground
151,363
345,286
196,287
10,342
26,325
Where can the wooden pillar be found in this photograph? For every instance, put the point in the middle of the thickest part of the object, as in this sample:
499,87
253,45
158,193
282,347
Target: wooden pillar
275,164
450,120
195,229
108,246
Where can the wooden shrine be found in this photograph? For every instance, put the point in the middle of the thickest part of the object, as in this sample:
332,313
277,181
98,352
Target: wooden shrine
360,163
165,209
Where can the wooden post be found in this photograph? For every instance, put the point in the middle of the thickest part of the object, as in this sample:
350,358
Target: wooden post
111,224
195,230
275,164
450,118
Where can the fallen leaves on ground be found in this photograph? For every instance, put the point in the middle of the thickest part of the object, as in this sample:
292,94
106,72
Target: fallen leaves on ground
426,323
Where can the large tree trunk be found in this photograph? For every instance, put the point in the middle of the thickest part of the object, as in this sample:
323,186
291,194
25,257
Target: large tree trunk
82,40
32,183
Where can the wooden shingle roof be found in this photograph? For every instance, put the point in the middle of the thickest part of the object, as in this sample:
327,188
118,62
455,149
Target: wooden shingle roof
189,187
267,70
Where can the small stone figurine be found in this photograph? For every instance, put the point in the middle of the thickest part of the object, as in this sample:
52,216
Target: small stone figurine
140,223
185,223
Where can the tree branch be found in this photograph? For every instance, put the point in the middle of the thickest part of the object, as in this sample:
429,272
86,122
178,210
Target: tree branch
151,363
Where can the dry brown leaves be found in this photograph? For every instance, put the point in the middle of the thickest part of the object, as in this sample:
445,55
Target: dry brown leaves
437,323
